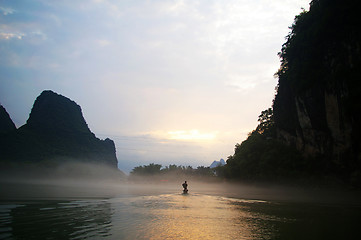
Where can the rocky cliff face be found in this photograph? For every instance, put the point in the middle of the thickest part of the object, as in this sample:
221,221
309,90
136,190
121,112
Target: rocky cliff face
317,106
56,131
321,125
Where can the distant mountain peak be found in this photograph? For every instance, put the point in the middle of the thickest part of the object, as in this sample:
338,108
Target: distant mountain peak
215,164
54,112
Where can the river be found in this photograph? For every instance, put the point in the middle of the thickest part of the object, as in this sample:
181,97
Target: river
146,212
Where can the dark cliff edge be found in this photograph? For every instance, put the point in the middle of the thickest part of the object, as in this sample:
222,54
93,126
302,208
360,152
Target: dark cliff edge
313,129
55,141
317,106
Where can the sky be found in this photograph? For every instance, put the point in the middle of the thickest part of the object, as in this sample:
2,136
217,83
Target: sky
170,81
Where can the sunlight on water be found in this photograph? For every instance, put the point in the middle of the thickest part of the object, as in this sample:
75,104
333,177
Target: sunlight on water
195,217
174,216
191,217
168,216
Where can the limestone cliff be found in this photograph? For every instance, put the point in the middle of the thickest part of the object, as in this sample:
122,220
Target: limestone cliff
317,105
56,131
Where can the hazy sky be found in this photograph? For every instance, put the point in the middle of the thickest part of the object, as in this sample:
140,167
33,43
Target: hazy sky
171,82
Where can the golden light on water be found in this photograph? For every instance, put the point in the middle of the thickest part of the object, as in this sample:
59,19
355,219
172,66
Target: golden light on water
146,212
198,217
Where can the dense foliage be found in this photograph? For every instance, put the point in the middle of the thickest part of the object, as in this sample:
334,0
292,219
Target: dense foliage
171,171
263,157
323,43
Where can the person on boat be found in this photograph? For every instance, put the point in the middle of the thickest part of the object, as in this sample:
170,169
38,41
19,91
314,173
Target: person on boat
185,187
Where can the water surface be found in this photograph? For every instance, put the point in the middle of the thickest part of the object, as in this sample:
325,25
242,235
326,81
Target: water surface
171,215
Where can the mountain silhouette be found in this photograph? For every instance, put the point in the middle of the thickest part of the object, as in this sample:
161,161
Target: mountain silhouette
56,132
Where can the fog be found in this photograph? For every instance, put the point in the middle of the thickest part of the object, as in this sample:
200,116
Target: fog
66,180
91,205
81,180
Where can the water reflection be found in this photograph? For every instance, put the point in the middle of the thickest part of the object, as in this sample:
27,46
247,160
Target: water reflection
176,216
55,220
192,217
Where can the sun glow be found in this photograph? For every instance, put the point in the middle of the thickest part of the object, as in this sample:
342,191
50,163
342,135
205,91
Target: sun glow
191,135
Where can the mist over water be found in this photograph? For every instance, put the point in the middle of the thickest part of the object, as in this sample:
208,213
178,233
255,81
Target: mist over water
88,208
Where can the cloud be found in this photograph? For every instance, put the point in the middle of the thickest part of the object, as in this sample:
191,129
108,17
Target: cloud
38,35
7,11
192,135
156,148
103,42
9,36
157,67
241,85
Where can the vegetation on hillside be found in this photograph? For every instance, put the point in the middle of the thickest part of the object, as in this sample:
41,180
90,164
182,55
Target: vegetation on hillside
323,46
262,157
169,172
322,54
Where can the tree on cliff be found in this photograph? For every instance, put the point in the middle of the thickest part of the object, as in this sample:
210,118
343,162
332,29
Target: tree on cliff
262,157
266,123
316,108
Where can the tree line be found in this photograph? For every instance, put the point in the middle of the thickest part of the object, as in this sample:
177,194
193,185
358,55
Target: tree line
172,170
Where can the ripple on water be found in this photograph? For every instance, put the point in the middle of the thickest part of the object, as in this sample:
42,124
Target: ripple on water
174,216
